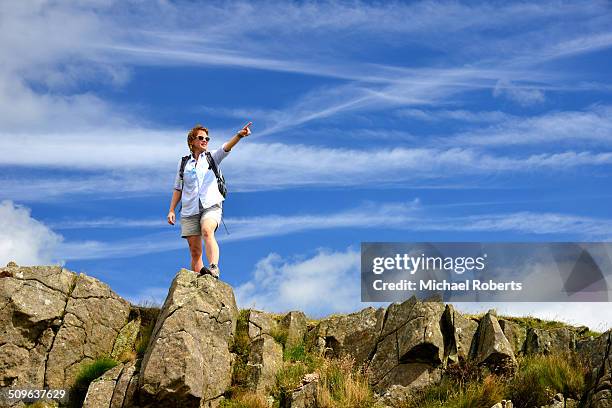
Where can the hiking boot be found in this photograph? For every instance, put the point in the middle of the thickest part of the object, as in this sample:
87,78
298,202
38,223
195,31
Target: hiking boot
205,271
214,270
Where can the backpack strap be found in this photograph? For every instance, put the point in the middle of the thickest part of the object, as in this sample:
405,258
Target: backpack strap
184,161
212,165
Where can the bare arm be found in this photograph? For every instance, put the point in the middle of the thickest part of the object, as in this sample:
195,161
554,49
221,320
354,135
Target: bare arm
176,197
244,132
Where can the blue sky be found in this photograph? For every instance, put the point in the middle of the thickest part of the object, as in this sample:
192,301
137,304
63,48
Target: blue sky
399,121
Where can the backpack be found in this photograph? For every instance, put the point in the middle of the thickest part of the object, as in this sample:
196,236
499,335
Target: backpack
211,165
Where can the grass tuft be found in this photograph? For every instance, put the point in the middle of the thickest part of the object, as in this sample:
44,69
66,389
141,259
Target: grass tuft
245,400
86,375
342,385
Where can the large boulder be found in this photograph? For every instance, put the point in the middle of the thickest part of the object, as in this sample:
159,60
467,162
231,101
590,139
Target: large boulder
188,361
492,347
54,320
354,334
410,348
93,318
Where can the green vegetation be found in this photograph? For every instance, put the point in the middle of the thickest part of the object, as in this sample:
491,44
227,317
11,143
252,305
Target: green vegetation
531,322
149,312
448,393
279,334
86,375
540,377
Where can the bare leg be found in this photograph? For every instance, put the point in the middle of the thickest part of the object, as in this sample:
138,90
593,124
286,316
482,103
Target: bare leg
195,248
210,242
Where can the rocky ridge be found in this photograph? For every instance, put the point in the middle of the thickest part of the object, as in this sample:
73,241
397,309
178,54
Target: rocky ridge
55,321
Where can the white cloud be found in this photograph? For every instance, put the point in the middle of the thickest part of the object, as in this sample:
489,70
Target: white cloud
592,125
120,165
521,94
24,239
457,114
327,282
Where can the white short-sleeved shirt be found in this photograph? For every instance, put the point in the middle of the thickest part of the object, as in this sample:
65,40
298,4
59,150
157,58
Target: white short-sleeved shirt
199,182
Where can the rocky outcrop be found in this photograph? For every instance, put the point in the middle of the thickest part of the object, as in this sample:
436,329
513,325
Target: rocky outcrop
354,334
600,394
188,362
93,318
53,321
410,348
492,347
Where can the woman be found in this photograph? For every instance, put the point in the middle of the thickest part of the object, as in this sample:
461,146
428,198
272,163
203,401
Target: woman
202,201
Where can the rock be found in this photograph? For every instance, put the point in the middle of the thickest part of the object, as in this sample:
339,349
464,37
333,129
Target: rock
503,404
411,346
264,361
53,321
515,333
354,334
112,389
492,347
125,387
394,396
458,333
294,324
260,323
188,362
541,341
305,396
600,395
93,317
593,350
100,391
560,402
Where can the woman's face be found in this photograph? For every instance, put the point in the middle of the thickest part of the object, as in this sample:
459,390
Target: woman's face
201,144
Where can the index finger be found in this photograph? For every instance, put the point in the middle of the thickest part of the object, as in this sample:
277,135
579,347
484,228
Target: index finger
247,125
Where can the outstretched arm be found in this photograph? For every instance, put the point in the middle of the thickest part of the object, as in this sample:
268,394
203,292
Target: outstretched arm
244,132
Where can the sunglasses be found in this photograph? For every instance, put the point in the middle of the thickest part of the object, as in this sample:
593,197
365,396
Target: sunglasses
204,138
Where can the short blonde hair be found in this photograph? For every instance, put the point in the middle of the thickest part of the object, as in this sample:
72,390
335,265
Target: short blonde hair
191,136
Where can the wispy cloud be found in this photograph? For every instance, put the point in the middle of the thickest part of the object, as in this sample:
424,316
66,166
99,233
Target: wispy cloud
399,216
592,125
126,166
523,95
